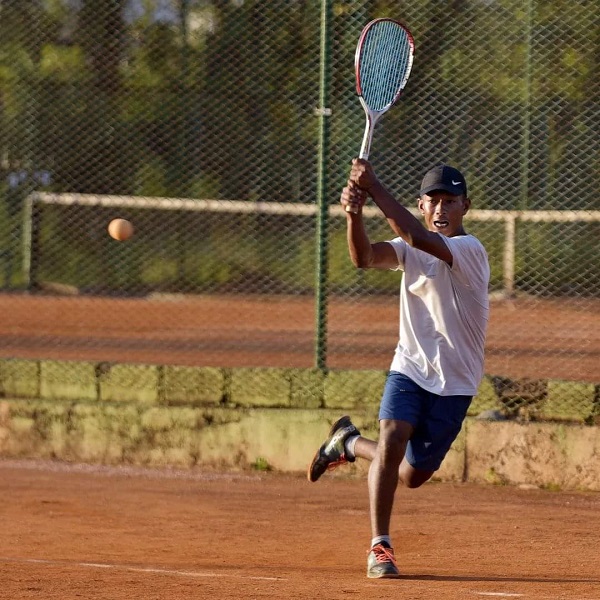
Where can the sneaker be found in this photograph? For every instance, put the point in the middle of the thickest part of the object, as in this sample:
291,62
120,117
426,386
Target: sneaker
332,453
381,563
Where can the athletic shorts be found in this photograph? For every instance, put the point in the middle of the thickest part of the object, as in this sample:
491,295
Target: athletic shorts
437,419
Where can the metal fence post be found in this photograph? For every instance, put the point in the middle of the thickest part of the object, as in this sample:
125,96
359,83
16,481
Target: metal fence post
324,112
509,253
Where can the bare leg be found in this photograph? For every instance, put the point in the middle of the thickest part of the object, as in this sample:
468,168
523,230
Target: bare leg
408,475
384,472
411,477
365,448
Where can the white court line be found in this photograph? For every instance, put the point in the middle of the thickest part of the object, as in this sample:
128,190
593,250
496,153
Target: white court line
499,594
139,569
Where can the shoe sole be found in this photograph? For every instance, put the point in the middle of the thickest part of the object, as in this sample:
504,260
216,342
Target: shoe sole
385,576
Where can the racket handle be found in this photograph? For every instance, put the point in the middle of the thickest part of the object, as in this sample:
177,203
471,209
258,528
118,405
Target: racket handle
364,154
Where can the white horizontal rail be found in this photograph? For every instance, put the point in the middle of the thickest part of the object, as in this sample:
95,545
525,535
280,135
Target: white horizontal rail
509,217
280,208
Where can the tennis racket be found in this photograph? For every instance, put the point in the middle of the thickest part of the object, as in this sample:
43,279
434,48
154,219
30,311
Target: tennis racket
383,60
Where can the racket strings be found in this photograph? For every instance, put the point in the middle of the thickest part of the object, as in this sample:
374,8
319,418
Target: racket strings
384,64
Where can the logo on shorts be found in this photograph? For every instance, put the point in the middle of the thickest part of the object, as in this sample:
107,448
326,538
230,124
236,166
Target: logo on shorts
426,444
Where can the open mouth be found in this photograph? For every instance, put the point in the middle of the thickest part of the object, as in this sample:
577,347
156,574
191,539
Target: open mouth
441,223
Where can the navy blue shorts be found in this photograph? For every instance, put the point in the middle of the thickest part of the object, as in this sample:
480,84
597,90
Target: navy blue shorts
437,419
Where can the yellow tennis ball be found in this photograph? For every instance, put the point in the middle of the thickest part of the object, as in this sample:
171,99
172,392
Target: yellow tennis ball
120,229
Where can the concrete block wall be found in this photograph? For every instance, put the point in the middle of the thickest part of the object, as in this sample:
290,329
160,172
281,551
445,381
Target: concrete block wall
236,418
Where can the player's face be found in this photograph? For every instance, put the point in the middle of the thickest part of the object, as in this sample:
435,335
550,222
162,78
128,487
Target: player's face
444,212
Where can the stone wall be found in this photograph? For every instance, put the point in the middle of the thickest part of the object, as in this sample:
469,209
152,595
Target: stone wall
265,418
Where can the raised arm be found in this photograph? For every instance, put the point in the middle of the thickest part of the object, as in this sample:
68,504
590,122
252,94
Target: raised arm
403,222
363,253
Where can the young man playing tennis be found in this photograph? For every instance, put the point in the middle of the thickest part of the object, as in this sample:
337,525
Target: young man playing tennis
438,363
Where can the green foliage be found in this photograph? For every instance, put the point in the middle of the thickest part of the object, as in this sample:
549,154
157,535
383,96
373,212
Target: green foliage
216,100
261,464
63,65
98,91
558,258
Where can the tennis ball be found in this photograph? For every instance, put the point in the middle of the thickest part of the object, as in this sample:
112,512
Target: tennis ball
120,229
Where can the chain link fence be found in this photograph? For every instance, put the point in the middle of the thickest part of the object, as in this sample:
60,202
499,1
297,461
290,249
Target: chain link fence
201,122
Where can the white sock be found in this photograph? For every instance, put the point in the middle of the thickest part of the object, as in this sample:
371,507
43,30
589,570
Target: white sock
381,538
349,445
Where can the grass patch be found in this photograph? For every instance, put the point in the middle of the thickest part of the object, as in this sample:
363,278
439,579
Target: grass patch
261,464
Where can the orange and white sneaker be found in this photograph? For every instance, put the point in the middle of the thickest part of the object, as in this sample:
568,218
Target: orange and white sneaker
332,452
381,563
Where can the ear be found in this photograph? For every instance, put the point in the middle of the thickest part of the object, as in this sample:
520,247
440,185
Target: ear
466,205
420,205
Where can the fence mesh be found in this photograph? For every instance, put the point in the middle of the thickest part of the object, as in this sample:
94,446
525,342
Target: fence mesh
135,108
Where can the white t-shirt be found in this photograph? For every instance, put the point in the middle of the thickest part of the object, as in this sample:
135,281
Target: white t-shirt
443,316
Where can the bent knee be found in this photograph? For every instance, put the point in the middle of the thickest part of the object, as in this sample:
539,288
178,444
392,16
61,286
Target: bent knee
393,438
413,483
393,433
413,478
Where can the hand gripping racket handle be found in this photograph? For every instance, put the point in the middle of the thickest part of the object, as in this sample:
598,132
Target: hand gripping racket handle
371,119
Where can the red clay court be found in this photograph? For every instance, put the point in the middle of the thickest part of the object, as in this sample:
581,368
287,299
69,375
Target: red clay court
533,338
116,533
121,533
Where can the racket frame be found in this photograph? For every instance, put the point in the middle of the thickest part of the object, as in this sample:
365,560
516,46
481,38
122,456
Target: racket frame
372,116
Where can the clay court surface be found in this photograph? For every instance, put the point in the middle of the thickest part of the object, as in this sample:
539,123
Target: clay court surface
536,338
115,533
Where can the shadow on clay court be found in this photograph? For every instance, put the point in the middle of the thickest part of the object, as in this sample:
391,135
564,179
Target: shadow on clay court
493,578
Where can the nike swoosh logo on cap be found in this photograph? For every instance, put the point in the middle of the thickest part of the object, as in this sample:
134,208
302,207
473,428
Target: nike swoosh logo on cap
456,182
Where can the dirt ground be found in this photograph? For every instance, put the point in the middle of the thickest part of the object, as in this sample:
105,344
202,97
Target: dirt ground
527,337
119,533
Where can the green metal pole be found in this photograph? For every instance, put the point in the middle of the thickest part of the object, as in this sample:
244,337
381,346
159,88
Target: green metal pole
524,200
324,113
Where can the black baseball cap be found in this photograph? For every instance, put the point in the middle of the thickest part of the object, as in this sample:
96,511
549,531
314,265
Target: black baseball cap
446,178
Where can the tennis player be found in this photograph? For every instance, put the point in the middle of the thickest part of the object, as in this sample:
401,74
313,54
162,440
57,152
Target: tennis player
438,362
